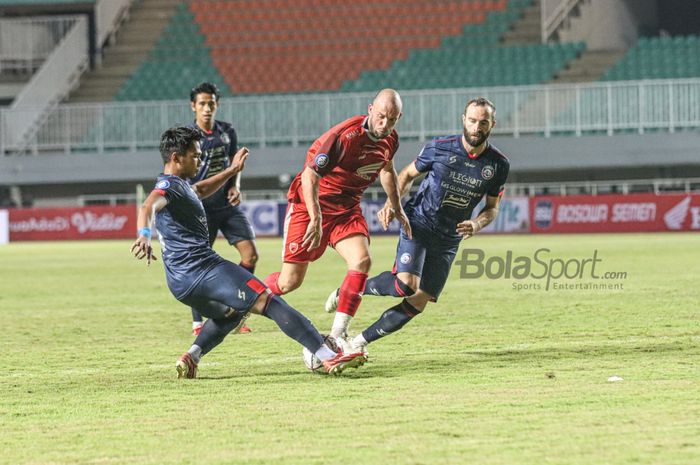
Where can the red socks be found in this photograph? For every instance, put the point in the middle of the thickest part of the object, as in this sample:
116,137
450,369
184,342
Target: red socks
271,282
351,291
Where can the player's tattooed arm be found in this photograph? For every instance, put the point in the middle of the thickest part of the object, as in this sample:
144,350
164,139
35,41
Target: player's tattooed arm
144,223
489,213
309,187
392,208
208,186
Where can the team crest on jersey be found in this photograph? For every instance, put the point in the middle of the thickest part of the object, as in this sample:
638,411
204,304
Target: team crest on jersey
293,247
164,184
321,160
406,258
487,172
225,138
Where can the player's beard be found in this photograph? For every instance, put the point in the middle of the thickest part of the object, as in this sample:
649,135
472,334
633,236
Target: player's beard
477,140
374,133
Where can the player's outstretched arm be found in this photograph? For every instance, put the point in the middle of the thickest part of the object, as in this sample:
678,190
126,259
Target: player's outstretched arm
207,187
392,208
142,247
470,227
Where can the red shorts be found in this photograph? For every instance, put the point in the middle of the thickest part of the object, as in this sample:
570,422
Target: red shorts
334,229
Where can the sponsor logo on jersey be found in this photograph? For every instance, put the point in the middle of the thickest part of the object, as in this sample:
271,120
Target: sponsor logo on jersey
405,258
453,159
352,134
241,294
487,172
321,160
164,184
544,212
469,165
366,171
453,200
675,217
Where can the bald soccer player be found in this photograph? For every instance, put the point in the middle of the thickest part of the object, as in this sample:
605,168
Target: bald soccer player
324,202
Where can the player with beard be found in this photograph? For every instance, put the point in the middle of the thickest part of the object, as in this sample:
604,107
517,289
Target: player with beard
460,170
324,202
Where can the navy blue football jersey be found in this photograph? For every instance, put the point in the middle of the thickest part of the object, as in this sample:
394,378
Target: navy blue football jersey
183,234
454,184
218,146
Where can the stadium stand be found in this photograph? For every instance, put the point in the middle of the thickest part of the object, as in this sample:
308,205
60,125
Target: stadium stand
403,44
657,58
42,2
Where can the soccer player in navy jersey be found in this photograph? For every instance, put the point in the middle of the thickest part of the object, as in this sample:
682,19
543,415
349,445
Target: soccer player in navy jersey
219,143
196,275
460,170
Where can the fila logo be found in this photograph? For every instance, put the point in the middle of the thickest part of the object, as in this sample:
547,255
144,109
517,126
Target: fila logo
365,171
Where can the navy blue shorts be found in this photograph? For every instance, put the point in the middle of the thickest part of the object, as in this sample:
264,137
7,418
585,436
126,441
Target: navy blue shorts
426,256
232,222
226,286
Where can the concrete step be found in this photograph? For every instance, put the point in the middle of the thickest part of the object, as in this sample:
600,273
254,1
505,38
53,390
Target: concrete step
527,29
590,66
135,39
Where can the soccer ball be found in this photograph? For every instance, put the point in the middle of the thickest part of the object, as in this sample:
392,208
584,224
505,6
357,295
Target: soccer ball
312,362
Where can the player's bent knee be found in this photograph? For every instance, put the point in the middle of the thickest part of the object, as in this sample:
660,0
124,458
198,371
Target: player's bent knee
288,285
419,300
363,264
260,303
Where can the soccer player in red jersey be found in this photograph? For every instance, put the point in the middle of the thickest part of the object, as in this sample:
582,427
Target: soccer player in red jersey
324,202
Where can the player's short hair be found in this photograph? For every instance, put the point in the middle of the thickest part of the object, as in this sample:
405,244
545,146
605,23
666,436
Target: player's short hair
481,102
205,88
177,139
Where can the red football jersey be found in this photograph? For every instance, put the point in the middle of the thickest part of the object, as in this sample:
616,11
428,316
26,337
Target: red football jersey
348,161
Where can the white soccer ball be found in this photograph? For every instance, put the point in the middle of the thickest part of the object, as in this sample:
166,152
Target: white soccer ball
312,362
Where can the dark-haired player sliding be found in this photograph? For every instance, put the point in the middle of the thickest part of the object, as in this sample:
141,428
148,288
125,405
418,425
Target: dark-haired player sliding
460,170
197,276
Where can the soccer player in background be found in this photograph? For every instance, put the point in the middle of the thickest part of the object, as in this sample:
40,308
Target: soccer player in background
460,170
196,275
219,143
324,202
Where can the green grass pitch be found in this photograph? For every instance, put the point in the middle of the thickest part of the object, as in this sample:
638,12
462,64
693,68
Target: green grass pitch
488,375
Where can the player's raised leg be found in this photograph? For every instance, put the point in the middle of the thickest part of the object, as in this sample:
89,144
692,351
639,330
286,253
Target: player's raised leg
298,327
392,320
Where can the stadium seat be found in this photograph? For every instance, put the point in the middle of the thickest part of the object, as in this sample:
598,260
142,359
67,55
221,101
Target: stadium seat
658,58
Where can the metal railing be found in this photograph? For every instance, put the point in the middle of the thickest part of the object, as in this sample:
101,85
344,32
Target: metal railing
60,72
26,42
622,186
108,15
554,13
292,120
